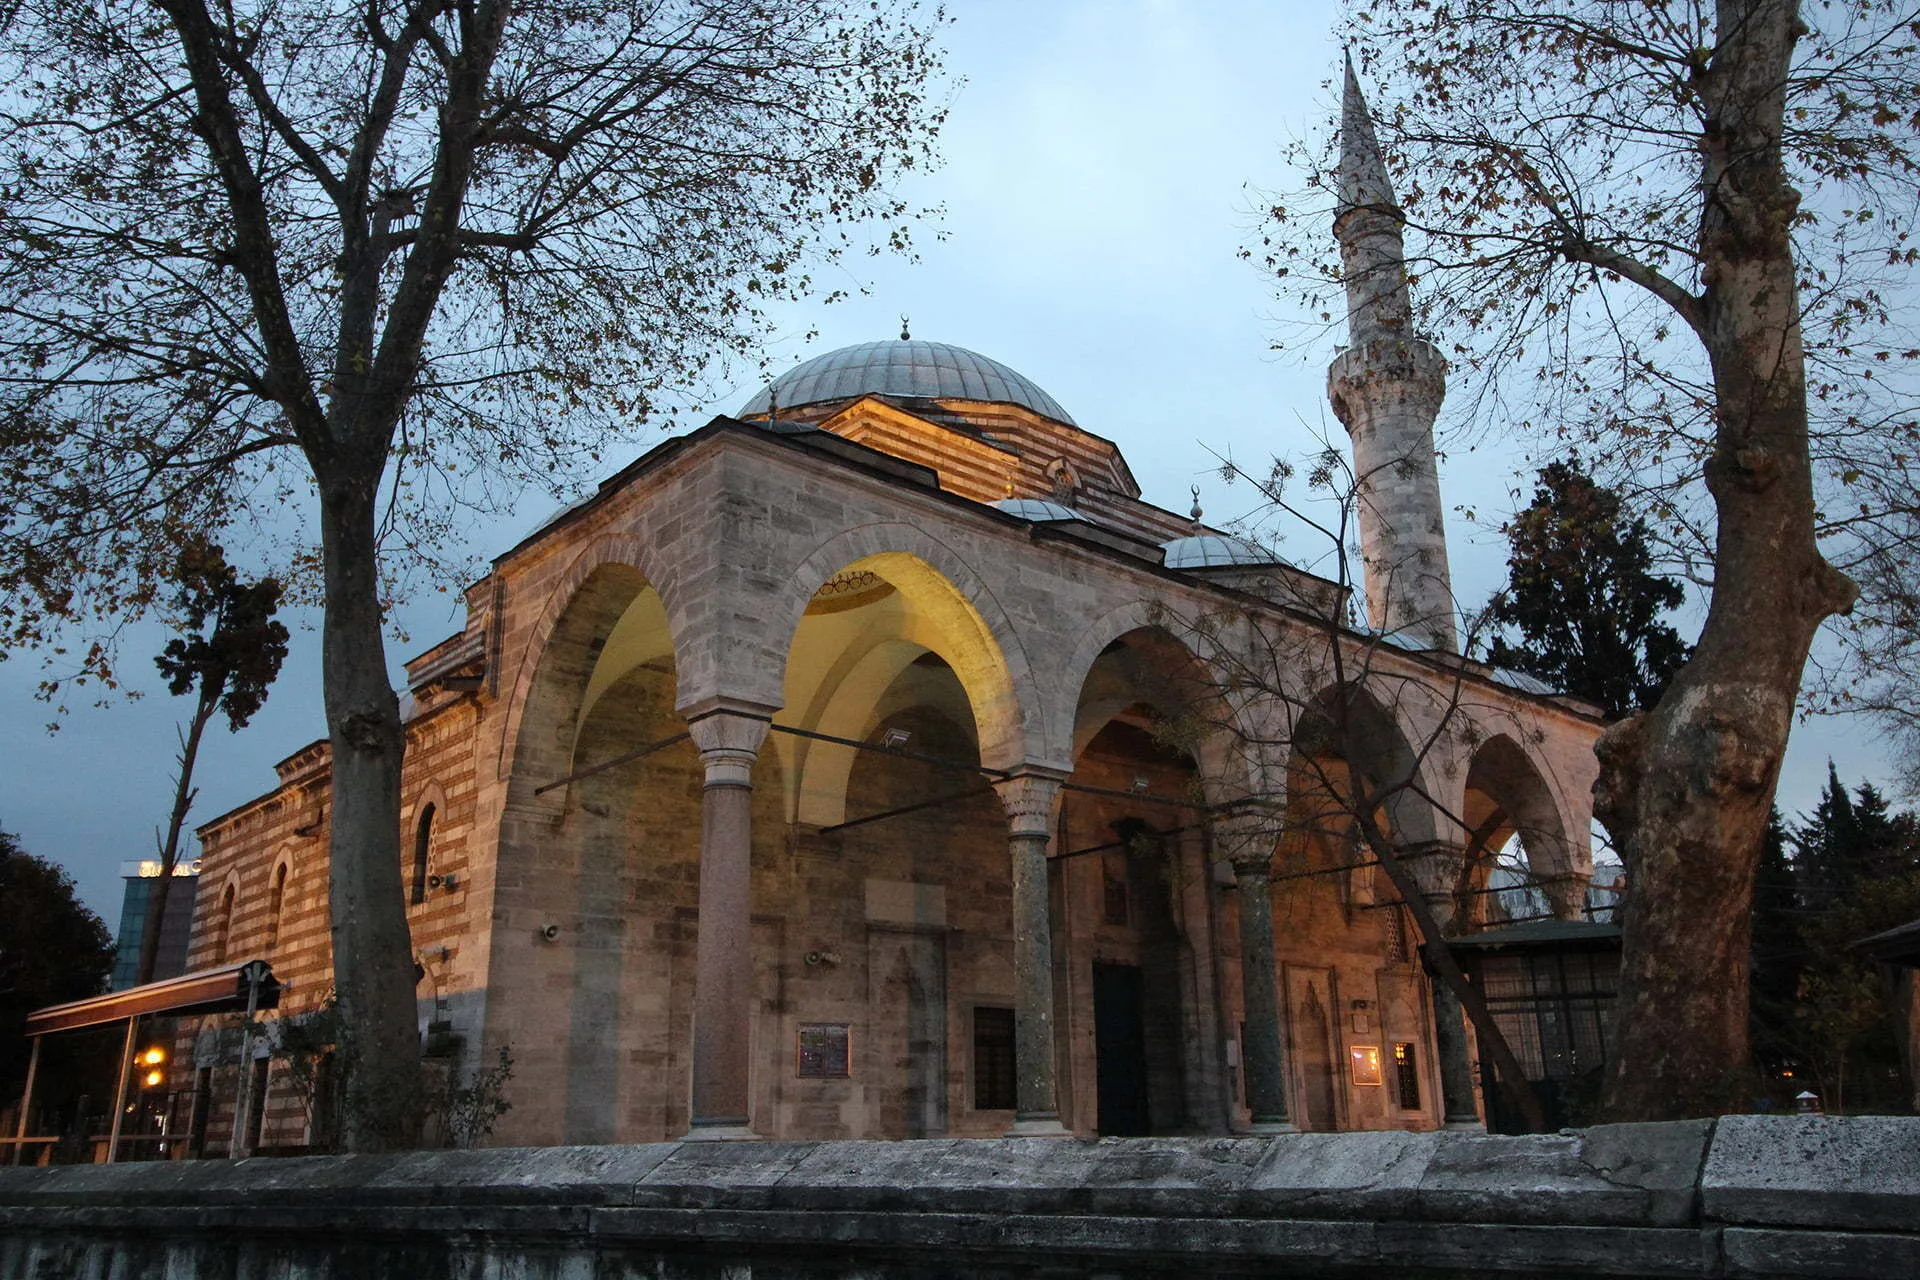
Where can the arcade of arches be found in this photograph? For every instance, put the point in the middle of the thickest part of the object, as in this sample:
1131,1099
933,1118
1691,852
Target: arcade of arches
866,773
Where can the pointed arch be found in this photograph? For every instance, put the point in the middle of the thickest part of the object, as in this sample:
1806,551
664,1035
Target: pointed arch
229,906
1226,765
974,633
277,898
610,571
1348,722
1506,794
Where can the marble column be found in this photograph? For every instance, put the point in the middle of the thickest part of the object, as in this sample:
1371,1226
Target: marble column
1029,800
1248,840
729,742
1436,865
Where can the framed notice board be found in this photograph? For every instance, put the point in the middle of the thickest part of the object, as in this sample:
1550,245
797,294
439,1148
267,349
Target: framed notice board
825,1050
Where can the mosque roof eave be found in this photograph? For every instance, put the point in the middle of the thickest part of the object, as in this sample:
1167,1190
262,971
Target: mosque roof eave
1143,554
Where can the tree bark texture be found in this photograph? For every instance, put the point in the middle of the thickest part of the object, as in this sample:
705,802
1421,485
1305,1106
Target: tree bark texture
372,948
1686,788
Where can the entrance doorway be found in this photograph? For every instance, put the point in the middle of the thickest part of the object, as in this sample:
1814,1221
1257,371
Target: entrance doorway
1120,1050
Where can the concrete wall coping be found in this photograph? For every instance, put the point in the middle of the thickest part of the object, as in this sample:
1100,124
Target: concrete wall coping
1744,1195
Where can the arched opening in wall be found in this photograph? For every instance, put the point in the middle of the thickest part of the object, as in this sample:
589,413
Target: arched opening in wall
1347,952
885,633
1519,865
276,905
605,874
1549,976
422,851
1136,918
900,840
223,924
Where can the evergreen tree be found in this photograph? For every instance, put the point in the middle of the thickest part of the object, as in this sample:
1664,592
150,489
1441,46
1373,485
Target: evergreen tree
231,652
1817,1007
1777,957
1852,841
52,949
1582,597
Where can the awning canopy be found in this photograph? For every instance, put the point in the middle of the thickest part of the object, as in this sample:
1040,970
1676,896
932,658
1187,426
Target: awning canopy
221,990
1565,935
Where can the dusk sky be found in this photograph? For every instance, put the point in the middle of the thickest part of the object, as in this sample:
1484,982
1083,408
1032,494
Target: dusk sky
1103,163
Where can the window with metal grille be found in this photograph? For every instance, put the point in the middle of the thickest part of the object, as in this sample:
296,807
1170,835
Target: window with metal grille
994,1070
1406,1077
1396,936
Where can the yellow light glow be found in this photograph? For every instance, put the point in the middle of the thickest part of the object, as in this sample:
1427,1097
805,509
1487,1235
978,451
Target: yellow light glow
1364,1060
154,1057
155,1078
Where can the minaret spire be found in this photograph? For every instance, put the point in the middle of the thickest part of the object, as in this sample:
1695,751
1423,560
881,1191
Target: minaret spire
1368,222
1386,389
1362,176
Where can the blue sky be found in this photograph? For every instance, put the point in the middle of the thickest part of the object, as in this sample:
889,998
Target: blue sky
1102,167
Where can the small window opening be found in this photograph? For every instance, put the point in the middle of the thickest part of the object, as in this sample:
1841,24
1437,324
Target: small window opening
275,902
422,846
224,930
1406,1077
994,1064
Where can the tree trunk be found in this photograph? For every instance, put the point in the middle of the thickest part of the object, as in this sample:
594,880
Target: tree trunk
372,950
176,822
1686,788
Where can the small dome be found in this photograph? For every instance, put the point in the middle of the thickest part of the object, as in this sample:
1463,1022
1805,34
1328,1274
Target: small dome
1037,510
1521,680
926,370
1214,551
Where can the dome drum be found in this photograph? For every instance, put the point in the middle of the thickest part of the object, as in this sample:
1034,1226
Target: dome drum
1215,551
919,370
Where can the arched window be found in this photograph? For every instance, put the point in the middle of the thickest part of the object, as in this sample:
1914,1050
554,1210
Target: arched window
223,931
422,845
275,901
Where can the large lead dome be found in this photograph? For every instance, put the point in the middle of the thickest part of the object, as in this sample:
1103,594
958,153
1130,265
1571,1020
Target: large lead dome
929,370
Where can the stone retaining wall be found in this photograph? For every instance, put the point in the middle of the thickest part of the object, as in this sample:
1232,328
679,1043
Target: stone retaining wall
1745,1196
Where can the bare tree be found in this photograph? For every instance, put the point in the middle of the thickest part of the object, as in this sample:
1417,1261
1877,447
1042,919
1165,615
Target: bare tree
247,248
1676,231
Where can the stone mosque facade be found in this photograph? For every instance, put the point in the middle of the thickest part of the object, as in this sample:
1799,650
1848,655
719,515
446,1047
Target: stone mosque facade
876,763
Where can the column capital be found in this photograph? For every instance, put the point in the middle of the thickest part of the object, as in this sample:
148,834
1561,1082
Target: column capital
729,734
1435,864
1246,834
1028,797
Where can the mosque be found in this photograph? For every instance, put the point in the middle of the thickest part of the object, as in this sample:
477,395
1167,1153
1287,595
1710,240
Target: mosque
875,763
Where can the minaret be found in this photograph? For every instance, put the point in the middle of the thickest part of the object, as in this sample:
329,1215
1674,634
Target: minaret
1386,389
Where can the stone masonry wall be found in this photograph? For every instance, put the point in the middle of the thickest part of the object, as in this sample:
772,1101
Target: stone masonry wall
1744,1197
